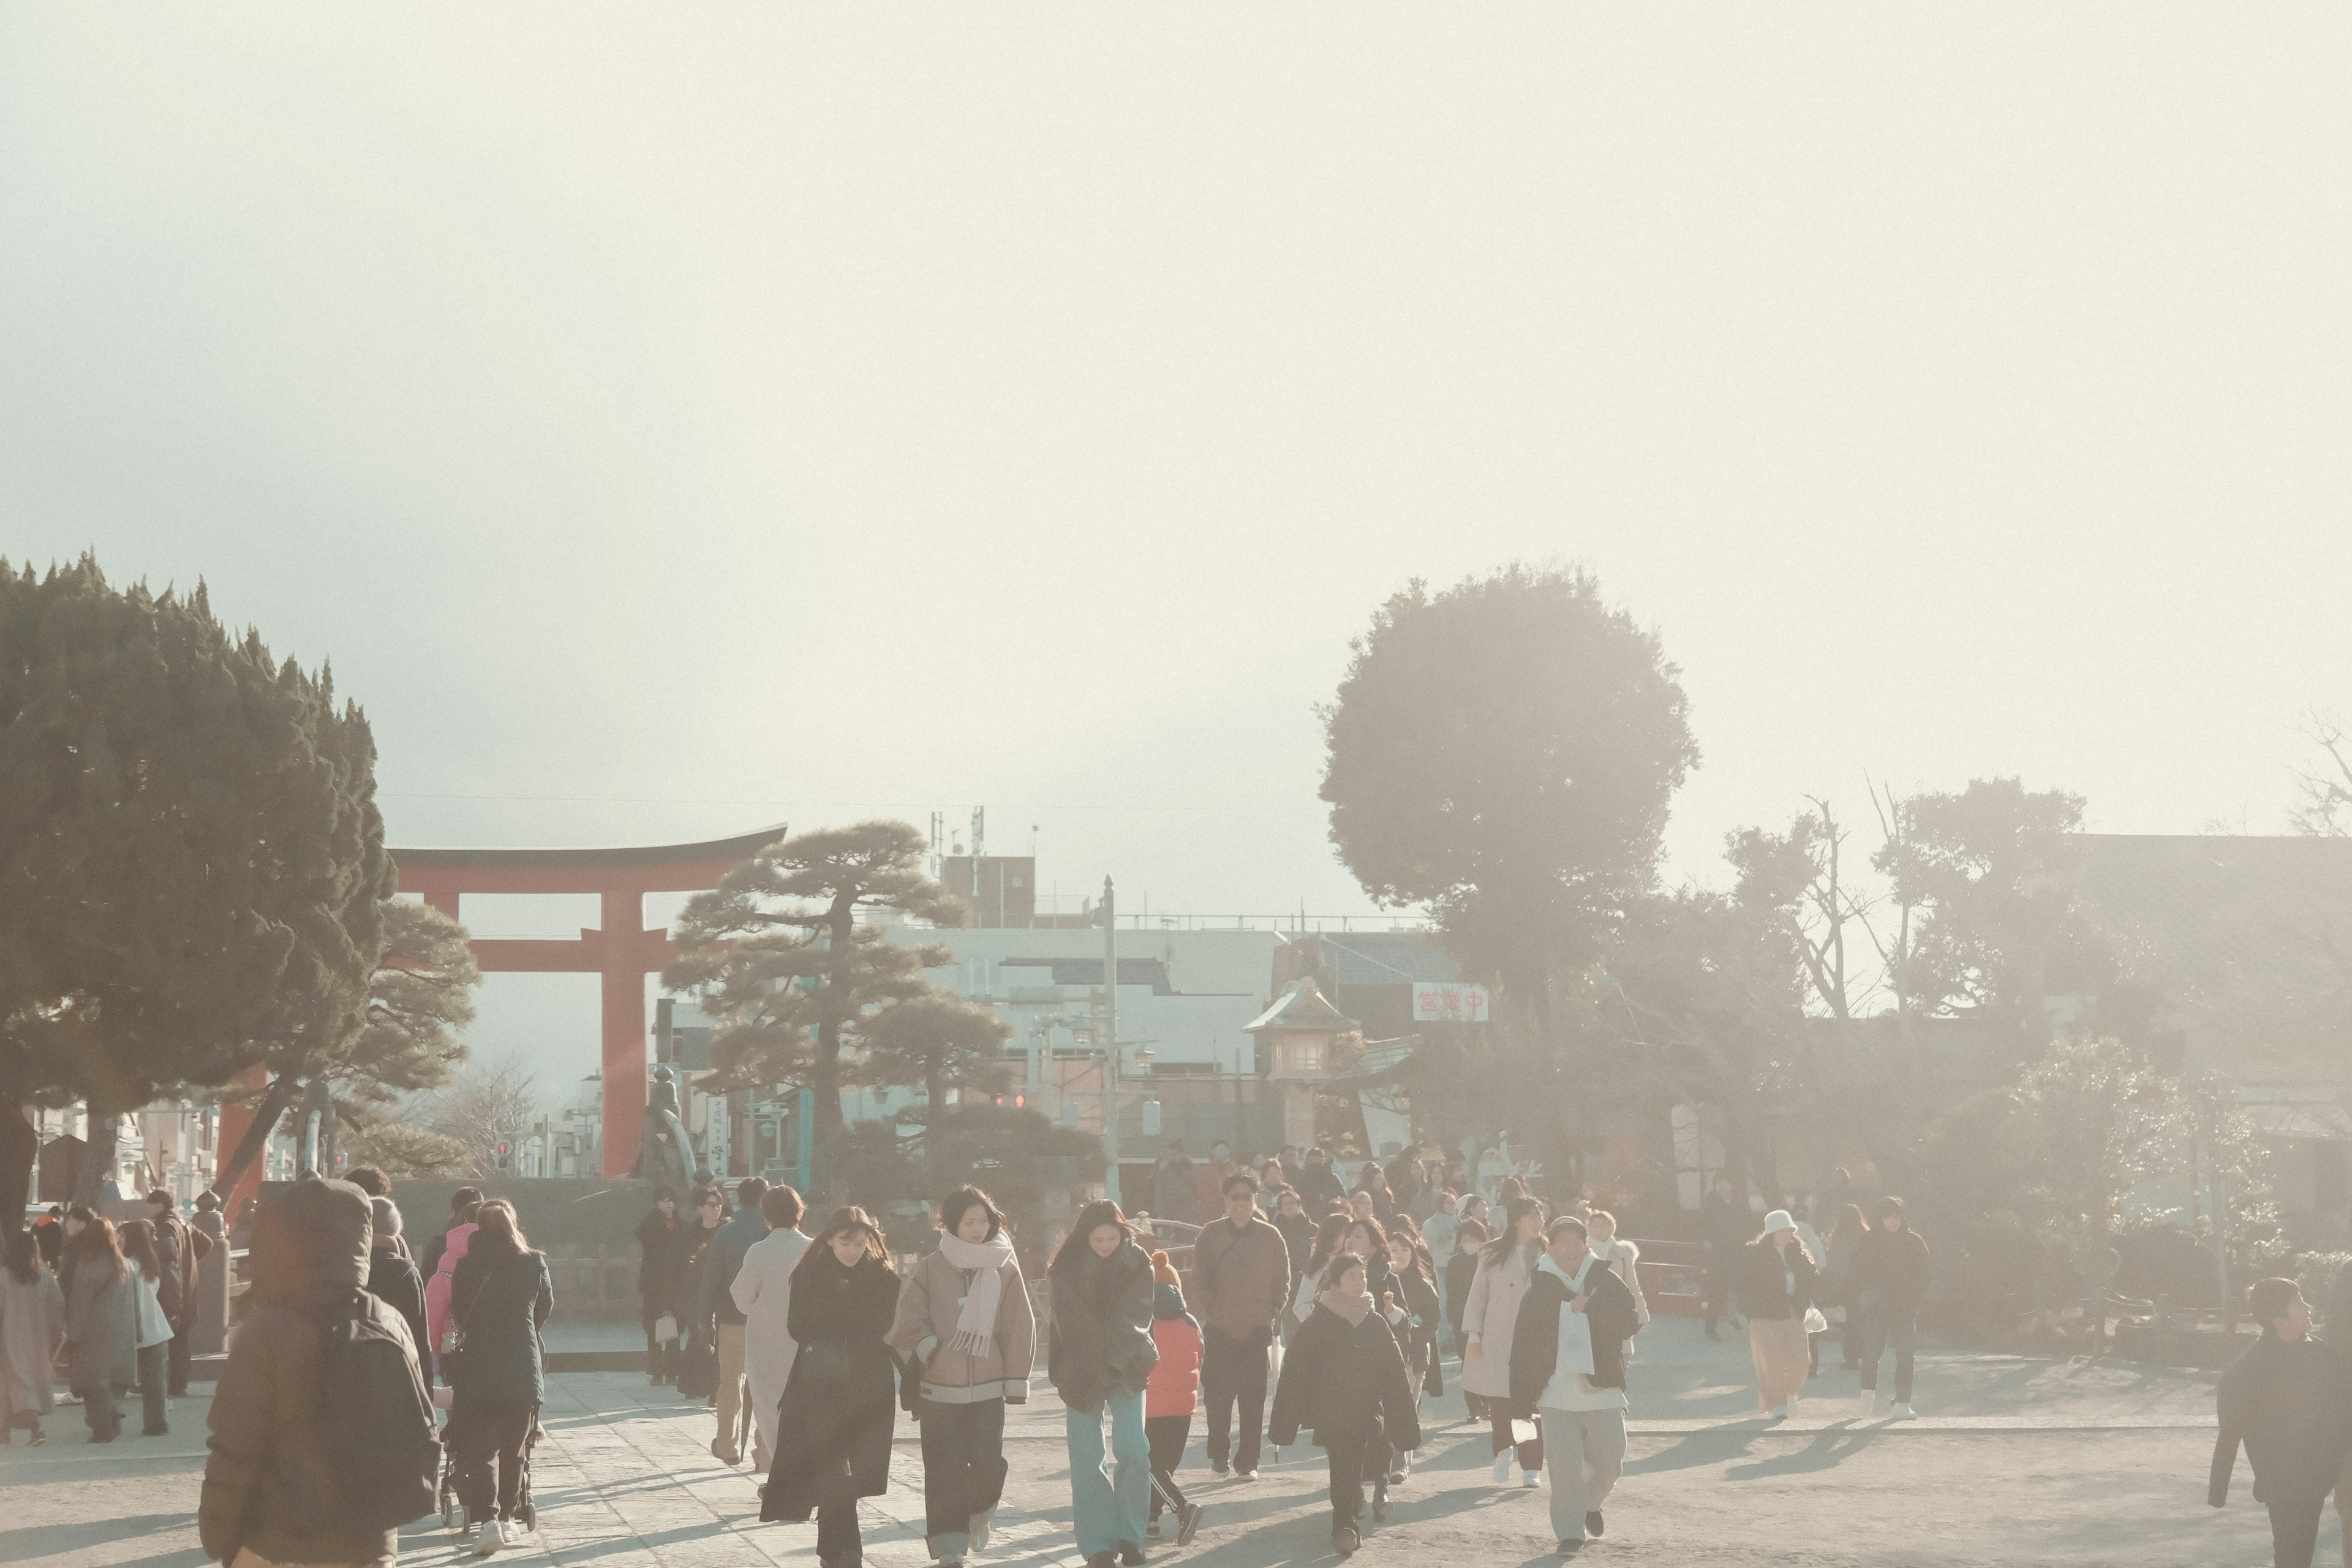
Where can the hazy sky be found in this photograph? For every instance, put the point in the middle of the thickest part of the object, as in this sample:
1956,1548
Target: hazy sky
670,420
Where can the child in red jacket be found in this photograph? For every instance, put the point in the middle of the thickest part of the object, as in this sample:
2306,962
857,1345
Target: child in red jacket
1170,1397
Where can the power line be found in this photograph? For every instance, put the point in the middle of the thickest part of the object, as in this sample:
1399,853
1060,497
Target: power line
765,801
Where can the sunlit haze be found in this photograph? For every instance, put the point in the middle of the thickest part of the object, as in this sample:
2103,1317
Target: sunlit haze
669,423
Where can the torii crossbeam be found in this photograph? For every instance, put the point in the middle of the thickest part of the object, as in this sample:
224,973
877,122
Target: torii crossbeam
622,950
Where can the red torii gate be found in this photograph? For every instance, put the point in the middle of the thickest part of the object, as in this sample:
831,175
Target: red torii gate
622,951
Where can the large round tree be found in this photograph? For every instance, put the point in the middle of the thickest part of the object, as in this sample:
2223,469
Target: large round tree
1504,751
191,866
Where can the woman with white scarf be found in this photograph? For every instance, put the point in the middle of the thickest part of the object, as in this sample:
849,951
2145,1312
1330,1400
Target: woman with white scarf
964,1322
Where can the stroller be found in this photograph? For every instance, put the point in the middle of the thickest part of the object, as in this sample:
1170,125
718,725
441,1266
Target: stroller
453,1511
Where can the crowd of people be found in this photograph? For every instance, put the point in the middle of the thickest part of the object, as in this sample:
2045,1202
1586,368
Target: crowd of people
117,1302
1313,1308
1308,1305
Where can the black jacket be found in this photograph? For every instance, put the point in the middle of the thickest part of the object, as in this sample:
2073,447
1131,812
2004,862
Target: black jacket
1318,1190
1101,1325
393,1280
1890,1273
1339,1382
1460,1270
1762,1281
2278,1399
661,1271
1420,1300
1535,1336
500,1297
1726,1225
842,1397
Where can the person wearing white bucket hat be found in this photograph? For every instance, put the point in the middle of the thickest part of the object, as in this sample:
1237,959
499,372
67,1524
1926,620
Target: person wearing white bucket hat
1777,1284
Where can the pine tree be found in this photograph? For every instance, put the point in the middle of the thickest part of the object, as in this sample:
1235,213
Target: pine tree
780,961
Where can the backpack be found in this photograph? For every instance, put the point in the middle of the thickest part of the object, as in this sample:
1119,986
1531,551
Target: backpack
375,1421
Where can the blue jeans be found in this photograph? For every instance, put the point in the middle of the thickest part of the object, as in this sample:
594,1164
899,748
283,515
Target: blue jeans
1109,1502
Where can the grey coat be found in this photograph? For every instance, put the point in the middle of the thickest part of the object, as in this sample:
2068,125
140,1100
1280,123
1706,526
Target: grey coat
102,1322
31,1327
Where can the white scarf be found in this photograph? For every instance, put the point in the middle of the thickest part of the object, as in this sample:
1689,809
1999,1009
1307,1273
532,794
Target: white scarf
1575,1328
984,1261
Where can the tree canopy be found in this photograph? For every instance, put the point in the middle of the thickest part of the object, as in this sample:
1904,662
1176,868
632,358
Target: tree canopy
1988,876
788,971
191,864
1505,752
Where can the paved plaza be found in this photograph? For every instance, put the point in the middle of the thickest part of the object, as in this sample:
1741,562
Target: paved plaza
2015,1460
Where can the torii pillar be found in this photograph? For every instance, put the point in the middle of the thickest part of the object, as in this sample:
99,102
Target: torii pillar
621,951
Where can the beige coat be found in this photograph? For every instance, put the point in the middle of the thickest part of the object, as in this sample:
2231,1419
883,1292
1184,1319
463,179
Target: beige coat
1488,1315
1241,1279
930,1301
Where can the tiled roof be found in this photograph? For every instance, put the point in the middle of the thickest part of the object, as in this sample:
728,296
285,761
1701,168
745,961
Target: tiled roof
1302,1006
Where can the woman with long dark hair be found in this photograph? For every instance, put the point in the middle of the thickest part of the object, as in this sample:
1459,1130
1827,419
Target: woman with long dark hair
661,1274
156,1289
101,1327
833,1427
499,1296
964,1323
1490,1314
1373,1182
1100,1358
32,1328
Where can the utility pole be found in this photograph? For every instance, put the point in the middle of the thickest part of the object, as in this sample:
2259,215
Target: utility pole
1111,1041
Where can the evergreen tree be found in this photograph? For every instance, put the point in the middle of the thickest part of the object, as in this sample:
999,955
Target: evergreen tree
420,999
192,865
941,1040
780,961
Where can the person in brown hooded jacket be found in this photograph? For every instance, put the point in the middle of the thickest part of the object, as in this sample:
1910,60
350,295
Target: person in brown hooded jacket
270,1494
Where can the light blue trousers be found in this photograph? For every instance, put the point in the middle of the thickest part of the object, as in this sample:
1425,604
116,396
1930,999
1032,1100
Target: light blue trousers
1109,1499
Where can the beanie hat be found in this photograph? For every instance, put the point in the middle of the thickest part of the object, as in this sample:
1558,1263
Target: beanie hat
387,1218
1163,1269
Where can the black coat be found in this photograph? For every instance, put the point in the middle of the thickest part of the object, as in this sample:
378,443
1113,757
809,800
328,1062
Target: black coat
1421,1301
1342,1381
1762,1281
2278,1399
1102,1324
842,1398
500,1298
1890,1273
662,1269
1318,1190
1460,1270
393,1280
1535,1335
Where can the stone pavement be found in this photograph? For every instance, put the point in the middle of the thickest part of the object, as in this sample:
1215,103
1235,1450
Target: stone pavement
2015,1460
